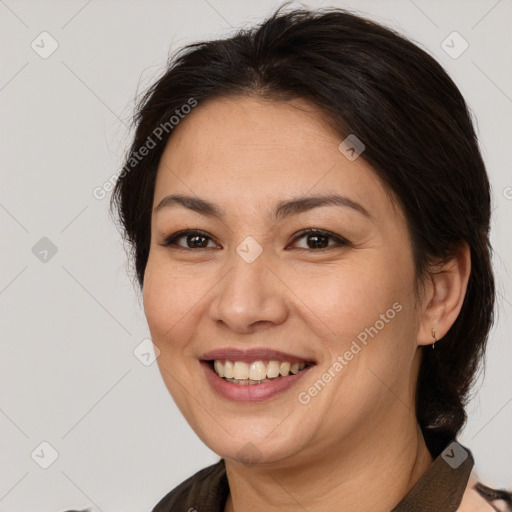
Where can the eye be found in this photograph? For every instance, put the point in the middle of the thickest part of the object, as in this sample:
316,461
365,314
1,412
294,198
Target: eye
194,239
319,238
197,239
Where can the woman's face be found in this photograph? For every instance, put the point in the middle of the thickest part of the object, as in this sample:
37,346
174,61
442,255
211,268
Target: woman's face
251,283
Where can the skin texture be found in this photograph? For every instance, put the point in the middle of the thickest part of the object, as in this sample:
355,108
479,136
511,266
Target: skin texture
246,154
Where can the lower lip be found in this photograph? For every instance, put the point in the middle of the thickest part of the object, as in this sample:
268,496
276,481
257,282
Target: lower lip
251,392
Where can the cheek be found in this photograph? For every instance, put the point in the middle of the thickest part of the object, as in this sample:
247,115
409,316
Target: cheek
364,318
174,298
165,298
365,299
347,296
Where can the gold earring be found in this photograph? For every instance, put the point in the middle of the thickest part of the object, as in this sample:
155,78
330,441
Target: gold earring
435,339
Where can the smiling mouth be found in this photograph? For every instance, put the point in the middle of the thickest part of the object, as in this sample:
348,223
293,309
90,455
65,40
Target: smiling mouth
256,372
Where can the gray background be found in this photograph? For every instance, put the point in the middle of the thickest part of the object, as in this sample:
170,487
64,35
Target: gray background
70,321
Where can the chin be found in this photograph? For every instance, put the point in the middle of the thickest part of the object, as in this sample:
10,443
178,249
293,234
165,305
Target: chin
253,449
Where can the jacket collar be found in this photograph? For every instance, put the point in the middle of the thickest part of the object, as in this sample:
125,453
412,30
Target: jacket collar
442,486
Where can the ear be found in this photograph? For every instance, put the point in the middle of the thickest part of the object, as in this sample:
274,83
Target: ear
444,296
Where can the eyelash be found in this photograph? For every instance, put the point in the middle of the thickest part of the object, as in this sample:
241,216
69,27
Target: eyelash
340,241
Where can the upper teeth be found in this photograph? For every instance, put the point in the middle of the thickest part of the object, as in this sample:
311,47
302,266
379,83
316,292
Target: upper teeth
257,370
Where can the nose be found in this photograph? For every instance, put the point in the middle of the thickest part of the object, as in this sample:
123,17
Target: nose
250,297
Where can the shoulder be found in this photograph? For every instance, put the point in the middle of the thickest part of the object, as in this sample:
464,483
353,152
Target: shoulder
205,490
480,498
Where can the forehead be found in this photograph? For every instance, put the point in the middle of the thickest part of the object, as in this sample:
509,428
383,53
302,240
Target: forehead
253,152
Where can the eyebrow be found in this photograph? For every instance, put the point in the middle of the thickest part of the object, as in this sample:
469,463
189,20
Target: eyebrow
281,210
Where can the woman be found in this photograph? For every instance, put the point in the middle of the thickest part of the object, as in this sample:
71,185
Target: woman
309,215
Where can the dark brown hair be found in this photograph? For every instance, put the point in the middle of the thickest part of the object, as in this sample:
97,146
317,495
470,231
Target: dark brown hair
370,81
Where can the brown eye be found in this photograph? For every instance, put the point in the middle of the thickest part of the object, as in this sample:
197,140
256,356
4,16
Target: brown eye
194,239
318,239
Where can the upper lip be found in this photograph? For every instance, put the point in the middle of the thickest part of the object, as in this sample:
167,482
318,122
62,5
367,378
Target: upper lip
253,354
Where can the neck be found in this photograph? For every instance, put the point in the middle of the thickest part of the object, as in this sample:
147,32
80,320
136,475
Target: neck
368,473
